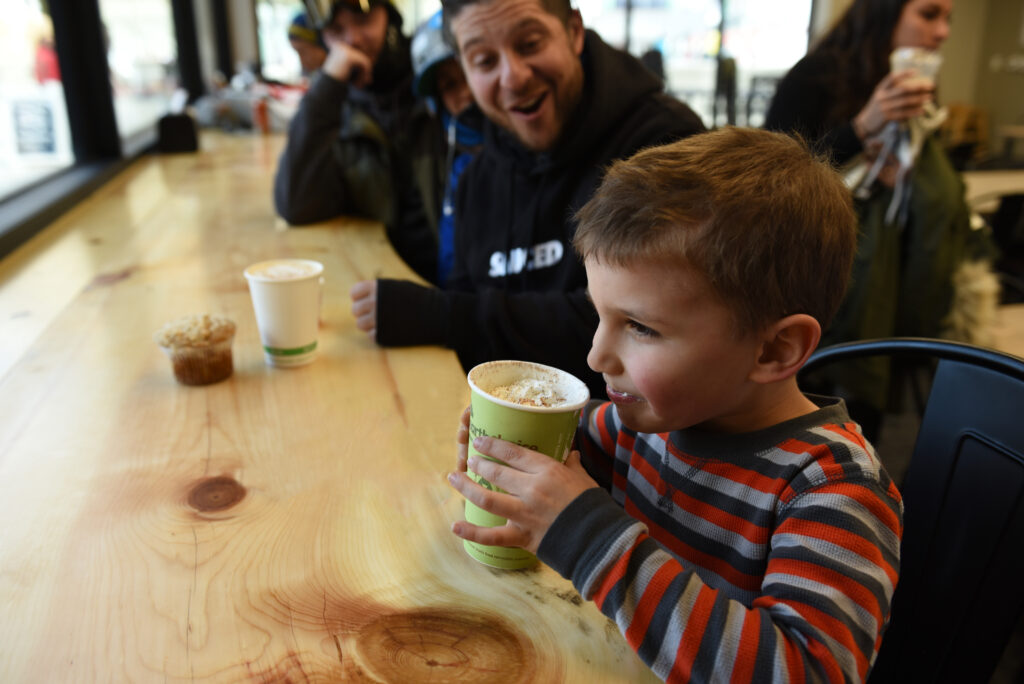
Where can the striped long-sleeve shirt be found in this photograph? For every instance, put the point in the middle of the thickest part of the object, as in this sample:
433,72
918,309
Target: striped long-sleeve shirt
765,556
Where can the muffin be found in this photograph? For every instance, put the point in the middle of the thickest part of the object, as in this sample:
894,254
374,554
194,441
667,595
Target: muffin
199,348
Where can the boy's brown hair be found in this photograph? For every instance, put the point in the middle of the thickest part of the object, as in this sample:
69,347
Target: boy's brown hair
769,226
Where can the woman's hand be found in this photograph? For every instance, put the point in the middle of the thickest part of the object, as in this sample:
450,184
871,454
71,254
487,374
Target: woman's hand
899,96
887,174
538,489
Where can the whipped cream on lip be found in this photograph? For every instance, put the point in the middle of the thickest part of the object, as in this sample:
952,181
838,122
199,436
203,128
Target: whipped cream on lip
622,397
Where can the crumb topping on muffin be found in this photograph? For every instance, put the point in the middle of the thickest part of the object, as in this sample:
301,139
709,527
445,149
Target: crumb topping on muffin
195,331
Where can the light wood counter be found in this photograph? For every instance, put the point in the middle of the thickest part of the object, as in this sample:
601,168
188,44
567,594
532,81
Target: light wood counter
125,552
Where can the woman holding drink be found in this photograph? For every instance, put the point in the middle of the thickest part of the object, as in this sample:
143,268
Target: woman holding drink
853,99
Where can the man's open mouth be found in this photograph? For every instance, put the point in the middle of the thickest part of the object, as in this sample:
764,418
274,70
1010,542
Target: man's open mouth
530,106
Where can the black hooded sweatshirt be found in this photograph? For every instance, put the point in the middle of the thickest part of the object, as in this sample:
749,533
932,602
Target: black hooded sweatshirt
518,289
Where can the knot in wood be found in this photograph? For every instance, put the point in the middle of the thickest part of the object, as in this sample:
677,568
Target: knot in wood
215,494
446,645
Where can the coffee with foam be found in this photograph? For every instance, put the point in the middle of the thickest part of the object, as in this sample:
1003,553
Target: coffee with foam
283,269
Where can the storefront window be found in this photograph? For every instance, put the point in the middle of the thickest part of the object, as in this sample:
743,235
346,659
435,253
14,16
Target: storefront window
761,41
682,34
142,56
35,140
765,39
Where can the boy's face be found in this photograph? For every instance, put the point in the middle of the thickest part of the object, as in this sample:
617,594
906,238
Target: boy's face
311,57
523,66
452,87
668,349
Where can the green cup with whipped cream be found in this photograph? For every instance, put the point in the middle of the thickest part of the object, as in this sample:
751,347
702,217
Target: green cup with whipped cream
529,404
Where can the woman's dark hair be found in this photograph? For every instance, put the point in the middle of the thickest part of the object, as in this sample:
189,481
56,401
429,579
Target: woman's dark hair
859,44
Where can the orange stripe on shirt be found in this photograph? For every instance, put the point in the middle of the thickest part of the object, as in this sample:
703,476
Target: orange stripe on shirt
827,624
820,453
867,498
794,663
696,624
746,652
607,440
615,573
824,657
702,509
757,534
840,537
728,471
846,431
853,590
720,567
648,603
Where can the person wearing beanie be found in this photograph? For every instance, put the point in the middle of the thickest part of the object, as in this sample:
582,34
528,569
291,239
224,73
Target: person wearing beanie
438,76
305,40
351,143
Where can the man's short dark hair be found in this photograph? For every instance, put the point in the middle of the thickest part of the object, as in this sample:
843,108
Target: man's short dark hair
451,8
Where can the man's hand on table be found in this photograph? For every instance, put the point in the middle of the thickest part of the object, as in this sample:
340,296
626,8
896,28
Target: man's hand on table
539,488
364,306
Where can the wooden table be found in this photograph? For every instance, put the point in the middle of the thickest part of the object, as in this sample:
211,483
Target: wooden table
1011,134
283,525
985,188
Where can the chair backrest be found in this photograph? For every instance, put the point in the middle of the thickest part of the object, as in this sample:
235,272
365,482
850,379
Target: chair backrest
961,586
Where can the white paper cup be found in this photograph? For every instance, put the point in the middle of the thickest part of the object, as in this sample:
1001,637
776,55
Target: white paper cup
286,299
925,63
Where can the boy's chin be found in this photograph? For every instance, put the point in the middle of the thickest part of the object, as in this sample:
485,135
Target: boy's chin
639,420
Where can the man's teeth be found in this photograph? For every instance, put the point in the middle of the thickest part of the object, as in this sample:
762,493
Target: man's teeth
529,106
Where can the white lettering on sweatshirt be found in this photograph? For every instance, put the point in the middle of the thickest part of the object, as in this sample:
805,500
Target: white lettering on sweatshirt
539,256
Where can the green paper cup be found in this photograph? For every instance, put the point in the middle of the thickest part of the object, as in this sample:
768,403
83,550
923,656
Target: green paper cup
529,404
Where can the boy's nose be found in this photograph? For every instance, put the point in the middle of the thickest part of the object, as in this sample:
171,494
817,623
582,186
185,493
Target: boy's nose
599,357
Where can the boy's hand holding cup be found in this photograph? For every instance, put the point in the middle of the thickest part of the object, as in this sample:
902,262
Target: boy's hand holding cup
517,436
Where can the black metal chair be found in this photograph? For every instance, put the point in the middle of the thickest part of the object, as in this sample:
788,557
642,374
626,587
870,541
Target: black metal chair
961,587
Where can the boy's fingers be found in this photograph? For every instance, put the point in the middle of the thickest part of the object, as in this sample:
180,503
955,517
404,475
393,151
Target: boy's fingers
505,535
514,455
573,459
498,475
497,503
462,442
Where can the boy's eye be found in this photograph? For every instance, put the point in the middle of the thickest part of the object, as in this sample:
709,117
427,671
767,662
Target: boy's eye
640,329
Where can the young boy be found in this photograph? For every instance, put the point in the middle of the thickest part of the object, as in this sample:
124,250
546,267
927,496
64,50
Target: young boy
734,528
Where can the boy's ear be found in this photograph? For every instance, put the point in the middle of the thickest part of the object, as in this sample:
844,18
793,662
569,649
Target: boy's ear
785,347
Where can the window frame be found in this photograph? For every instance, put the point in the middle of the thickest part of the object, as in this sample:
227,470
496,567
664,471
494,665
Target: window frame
98,149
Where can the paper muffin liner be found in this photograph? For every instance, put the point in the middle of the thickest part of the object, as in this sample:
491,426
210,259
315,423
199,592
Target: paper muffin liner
202,365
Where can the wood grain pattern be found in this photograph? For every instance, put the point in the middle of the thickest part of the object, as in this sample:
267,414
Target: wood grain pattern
281,526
